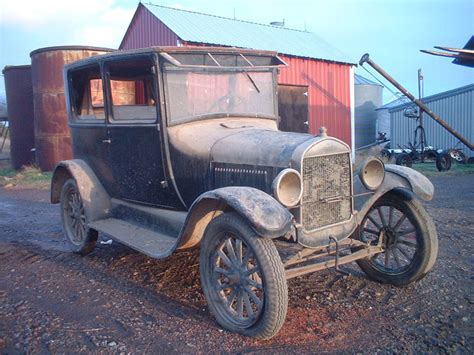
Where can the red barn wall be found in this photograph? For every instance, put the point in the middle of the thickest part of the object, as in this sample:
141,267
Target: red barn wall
146,30
328,93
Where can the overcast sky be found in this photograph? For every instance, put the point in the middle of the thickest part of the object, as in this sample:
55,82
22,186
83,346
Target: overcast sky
392,31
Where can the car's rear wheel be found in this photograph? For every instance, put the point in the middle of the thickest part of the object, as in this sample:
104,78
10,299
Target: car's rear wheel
81,239
243,278
409,239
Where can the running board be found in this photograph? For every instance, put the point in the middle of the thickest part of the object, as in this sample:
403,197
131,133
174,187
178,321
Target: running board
146,241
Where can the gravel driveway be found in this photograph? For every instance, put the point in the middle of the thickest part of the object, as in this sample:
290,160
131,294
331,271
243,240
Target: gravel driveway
117,300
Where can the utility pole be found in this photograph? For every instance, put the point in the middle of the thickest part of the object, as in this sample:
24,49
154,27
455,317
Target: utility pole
420,117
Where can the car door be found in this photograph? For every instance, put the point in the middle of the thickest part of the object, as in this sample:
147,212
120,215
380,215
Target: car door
85,98
133,133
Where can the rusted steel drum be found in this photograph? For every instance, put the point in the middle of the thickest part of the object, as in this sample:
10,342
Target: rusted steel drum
19,94
52,134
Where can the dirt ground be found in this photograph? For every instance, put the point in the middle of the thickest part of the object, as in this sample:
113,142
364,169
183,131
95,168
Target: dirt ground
119,301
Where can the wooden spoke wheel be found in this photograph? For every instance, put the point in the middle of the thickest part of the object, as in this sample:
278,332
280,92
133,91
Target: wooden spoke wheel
409,240
243,278
81,238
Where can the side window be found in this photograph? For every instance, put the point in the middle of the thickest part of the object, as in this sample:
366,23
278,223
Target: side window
133,90
87,99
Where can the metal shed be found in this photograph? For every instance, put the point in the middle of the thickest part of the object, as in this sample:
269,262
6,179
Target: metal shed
318,82
383,115
456,107
368,97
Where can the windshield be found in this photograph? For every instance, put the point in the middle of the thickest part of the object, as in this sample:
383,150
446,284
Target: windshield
193,93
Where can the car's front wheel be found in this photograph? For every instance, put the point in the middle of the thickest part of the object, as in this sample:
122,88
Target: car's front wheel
243,278
81,239
409,240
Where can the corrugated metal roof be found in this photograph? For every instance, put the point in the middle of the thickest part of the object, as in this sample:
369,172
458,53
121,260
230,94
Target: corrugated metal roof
436,97
400,101
203,28
360,80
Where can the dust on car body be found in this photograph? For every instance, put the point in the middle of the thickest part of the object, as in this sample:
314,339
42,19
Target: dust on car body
179,147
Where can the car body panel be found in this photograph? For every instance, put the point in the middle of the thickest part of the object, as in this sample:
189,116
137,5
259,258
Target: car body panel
96,200
199,149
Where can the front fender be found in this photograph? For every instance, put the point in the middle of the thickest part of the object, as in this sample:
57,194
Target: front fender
96,200
267,217
419,183
400,178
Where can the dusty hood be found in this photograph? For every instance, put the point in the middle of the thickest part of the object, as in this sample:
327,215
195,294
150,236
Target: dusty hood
237,141
258,146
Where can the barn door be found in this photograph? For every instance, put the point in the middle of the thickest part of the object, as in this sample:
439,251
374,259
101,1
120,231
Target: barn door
293,108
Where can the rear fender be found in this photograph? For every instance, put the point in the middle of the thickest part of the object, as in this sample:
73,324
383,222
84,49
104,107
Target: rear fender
267,217
94,197
400,179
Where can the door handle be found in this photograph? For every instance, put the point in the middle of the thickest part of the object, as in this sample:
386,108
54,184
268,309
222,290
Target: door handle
107,141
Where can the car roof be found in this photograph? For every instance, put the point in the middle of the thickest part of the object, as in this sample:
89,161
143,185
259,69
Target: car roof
170,50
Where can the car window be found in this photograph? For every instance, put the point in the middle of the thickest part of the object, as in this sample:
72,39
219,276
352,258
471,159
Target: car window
133,90
196,93
87,99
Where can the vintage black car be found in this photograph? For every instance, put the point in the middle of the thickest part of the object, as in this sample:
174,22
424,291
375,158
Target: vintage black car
176,148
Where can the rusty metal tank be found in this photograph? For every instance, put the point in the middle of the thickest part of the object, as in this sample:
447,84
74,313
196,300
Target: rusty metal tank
52,135
19,94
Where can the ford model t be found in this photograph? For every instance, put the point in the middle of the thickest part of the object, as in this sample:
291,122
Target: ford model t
176,148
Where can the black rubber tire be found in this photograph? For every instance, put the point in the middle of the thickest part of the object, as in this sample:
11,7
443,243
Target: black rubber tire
275,290
85,243
426,253
404,160
443,161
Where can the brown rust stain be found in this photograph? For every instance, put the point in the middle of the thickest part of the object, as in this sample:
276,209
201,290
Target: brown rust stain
52,134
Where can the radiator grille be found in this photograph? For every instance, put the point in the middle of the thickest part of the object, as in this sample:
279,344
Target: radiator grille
241,175
326,190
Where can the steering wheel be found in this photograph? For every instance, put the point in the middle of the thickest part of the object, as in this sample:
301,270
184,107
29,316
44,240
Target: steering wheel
224,103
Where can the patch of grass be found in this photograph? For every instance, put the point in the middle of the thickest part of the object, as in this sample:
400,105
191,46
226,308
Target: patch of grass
27,177
429,169
6,172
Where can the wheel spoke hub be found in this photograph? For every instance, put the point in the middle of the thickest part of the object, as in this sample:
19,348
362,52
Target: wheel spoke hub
390,239
76,217
398,238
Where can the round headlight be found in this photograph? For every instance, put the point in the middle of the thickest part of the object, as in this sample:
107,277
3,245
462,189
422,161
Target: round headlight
372,173
287,187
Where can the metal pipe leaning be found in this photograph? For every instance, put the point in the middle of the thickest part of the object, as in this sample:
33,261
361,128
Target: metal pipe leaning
365,59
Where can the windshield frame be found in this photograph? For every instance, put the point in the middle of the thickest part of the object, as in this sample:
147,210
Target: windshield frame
203,69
